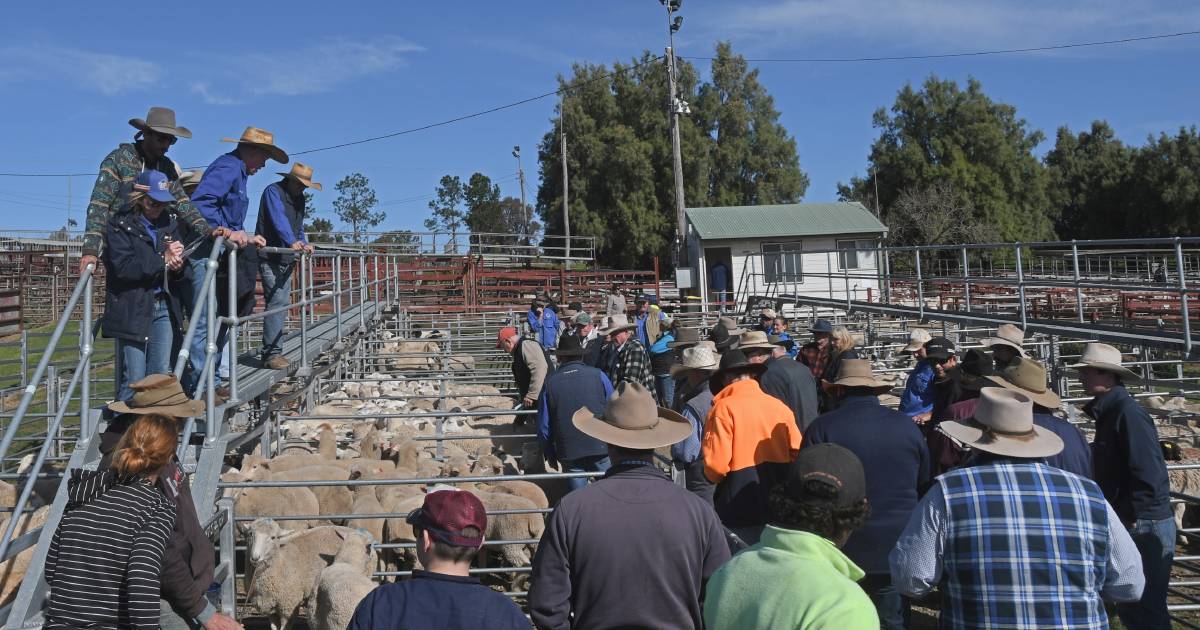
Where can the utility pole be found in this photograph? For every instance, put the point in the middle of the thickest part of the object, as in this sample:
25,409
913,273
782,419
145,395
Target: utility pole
675,107
566,213
524,208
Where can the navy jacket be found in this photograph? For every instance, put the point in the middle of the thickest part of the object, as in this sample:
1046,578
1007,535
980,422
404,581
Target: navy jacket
896,461
1127,458
570,388
135,267
793,384
435,601
1076,456
280,220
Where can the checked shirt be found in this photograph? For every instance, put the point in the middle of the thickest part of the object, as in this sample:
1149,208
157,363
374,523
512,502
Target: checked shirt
633,365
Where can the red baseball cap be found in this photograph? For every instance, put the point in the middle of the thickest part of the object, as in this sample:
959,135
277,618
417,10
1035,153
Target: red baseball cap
505,333
446,513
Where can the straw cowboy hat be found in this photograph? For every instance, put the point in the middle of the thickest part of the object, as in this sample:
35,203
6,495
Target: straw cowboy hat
767,313
302,173
916,339
1003,425
632,419
1008,335
1105,357
1028,377
617,323
162,120
263,139
159,393
857,373
753,339
695,358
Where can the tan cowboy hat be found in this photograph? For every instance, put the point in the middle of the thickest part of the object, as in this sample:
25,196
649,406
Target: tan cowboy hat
1007,335
730,326
916,339
697,357
632,419
1028,377
752,339
302,173
162,120
617,323
261,138
1105,357
189,180
1003,425
768,313
159,393
857,373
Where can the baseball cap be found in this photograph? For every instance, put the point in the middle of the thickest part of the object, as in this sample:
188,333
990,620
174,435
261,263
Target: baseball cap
446,513
834,469
156,186
939,348
505,333
583,318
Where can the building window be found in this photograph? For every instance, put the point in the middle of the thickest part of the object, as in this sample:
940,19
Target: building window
782,262
856,254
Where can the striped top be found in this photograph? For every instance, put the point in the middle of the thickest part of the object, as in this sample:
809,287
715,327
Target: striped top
106,555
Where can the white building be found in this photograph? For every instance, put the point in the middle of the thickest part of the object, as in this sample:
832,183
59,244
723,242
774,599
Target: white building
807,249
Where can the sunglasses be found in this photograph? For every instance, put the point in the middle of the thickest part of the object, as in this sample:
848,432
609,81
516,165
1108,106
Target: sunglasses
158,205
160,137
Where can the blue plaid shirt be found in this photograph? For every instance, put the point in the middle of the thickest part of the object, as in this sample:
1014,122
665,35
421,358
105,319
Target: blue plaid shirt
1017,544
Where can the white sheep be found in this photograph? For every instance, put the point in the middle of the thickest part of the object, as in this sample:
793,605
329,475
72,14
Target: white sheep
330,499
342,585
268,502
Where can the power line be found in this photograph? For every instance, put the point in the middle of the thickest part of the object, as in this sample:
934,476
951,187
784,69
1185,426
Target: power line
979,53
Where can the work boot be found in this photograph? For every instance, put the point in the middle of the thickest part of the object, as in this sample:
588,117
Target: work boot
277,362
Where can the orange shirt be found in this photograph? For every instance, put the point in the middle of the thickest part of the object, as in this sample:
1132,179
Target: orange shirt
747,427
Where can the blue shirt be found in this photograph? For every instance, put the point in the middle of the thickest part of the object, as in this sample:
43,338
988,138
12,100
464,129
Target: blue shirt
221,196
273,200
436,601
660,346
546,328
918,391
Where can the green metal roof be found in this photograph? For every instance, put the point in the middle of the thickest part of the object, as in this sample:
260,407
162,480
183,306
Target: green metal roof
792,219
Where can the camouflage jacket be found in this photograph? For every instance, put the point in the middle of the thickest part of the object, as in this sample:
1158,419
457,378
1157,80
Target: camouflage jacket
117,173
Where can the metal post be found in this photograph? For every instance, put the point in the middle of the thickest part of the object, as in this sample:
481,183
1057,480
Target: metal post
231,346
1078,289
337,301
966,278
85,350
920,287
304,263
1021,285
210,367
375,285
362,291
1183,300
229,584
566,197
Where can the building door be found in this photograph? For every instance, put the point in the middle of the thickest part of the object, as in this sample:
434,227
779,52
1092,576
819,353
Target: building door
720,276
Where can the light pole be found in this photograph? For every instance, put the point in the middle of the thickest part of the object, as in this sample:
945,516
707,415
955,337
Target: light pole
524,208
675,107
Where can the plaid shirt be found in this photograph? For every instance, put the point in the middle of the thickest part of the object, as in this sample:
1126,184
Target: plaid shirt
1017,544
632,365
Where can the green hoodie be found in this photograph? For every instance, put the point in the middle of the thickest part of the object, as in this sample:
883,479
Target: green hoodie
791,579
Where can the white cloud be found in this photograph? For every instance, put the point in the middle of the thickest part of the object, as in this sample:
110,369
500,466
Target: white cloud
205,92
106,73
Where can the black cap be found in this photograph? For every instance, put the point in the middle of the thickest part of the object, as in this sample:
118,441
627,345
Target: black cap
939,348
836,472
733,361
568,346
777,340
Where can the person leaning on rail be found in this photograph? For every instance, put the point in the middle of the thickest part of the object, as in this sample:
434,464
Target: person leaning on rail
281,215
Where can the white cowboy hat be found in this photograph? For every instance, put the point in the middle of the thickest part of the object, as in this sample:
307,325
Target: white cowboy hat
1003,425
632,419
1105,357
1007,335
617,323
697,357
916,339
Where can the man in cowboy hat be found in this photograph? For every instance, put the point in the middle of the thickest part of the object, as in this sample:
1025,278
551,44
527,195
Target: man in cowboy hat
749,439
725,334
784,378
449,531
1130,469
1006,345
573,386
696,365
281,215
531,364
188,565
148,152
896,461
1028,377
606,560
631,362
766,320
1010,540
221,197
917,399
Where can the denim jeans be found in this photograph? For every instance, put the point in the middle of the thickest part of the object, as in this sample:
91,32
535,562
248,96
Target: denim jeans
666,389
199,348
1155,540
140,359
594,463
277,293
892,608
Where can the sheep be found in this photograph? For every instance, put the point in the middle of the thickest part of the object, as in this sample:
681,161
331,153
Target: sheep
397,530
327,441
512,526
13,570
487,464
267,502
1185,481
525,489
330,499
287,565
367,502
342,585
368,447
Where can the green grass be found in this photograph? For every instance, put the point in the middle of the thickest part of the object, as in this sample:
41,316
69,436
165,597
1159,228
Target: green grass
66,354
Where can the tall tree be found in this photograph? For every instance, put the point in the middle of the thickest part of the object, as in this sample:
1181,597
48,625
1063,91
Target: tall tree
446,210
321,231
482,199
1166,186
1089,179
936,215
355,205
513,218
942,133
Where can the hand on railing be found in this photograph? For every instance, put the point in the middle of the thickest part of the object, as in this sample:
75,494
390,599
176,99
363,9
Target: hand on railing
303,247
84,261
257,240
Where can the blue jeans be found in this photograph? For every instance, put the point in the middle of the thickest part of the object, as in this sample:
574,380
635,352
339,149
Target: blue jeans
892,608
140,359
198,351
1155,540
594,463
277,293
666,389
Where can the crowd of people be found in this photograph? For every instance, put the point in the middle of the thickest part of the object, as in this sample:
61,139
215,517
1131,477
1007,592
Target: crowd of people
153,227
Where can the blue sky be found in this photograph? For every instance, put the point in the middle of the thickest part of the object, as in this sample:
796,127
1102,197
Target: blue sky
322,73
